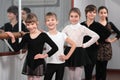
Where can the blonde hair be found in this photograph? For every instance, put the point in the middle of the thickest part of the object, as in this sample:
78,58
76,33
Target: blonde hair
31,17
50,14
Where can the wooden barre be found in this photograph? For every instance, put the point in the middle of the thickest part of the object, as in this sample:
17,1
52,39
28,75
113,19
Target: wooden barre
16,34
12,53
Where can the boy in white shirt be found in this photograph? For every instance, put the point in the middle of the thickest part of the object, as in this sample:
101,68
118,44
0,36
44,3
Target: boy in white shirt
55,63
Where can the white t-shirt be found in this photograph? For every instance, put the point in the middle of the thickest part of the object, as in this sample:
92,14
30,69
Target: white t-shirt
59,40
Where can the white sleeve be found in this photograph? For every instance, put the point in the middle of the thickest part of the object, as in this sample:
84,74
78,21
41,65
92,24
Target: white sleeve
94,37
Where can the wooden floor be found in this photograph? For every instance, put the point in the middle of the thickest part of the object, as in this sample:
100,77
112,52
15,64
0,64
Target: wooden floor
112,75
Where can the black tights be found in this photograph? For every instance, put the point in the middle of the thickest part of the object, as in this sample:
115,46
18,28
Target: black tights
88,71
52,69
101,70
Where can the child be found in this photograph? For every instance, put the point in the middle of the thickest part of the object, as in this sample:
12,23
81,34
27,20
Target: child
77,32
25,12
105,48
12,25
90,23
90,13
34,65
55,63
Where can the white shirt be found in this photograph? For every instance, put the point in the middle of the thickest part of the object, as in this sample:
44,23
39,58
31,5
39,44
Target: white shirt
59,40
77,32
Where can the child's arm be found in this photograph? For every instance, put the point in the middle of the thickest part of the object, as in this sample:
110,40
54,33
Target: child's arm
10,34
94,37
111,40
53,46
73,46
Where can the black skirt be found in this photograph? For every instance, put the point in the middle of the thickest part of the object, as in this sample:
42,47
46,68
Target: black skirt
92,53
38,71
78,58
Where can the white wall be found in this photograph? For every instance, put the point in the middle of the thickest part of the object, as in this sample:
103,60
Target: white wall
114,16
114,12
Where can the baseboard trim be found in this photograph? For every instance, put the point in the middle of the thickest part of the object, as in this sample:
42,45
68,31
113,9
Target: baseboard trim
113,70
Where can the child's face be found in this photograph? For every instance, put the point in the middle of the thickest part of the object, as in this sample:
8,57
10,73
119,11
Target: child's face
24,15
51,22
11,16
91,15
103,13
74,18
32,27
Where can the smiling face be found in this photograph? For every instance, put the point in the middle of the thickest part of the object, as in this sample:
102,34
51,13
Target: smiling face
51,21
32,27
24,15
74,17
91,15
12,13
11,16
31,22
25,12
103,14
90,12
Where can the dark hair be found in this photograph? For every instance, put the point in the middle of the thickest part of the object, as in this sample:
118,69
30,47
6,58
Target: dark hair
49,14
13,9
75,10
27,10
103,7
89,8
31,17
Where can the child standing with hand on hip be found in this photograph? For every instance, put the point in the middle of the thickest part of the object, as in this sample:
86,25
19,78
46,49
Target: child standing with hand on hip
92,51
34,66
105,47
77,32
55,63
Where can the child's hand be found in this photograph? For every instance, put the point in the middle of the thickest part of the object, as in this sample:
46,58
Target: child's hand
63,57
40,56
110,40
22,33
37,56
1,31
10,34
83,46
97,43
